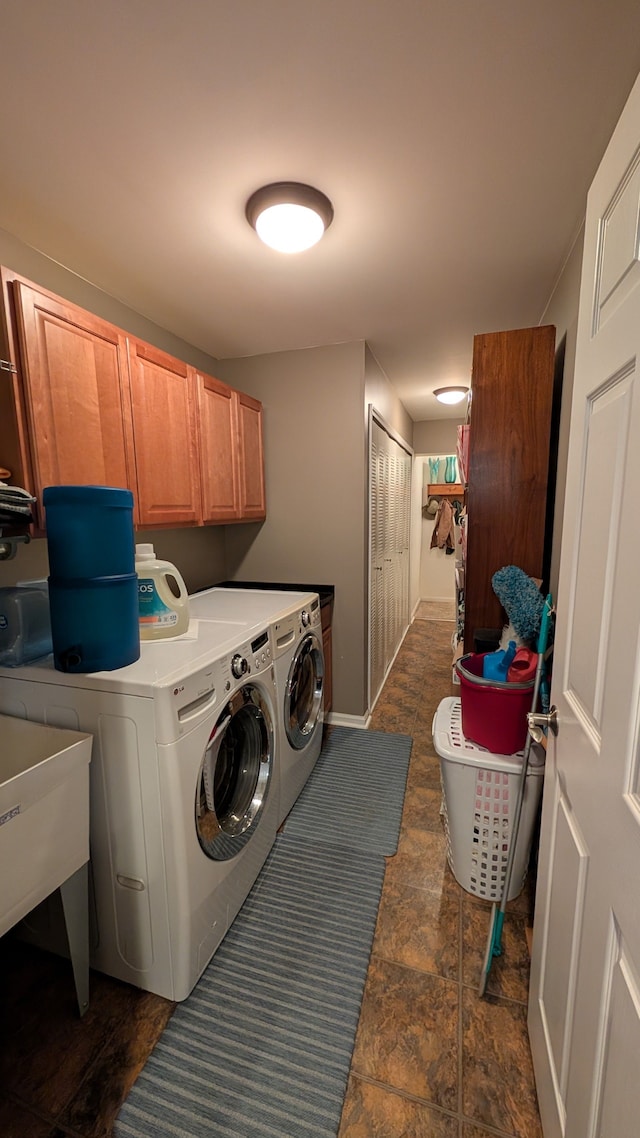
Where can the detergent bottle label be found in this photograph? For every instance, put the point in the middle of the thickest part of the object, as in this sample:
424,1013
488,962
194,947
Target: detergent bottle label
151,608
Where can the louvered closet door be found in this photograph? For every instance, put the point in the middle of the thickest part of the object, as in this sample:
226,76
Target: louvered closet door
388,583
390,478
403,536
376,477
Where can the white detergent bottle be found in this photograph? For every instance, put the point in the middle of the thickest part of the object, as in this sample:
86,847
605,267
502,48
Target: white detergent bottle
161,612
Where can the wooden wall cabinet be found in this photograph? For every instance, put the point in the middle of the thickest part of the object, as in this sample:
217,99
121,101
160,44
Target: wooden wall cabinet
82,402
509,457
231,453
66,418
250,458
219,469
165,438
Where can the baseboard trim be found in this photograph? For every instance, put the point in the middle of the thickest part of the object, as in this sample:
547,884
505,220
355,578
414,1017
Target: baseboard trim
437,600
337,719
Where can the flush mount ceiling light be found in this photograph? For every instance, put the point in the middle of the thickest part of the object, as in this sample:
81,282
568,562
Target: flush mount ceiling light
289,216
451,394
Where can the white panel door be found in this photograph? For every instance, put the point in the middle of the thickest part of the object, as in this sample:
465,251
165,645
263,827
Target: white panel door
584,1008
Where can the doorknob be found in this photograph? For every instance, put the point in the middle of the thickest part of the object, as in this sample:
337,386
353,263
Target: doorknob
537,721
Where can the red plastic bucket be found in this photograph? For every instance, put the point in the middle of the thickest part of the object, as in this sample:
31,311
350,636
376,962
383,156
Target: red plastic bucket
494,715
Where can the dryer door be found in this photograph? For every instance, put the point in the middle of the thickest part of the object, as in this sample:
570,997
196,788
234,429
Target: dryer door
235,775
303,698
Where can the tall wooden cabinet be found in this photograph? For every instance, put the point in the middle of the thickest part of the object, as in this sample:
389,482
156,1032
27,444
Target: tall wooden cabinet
509,457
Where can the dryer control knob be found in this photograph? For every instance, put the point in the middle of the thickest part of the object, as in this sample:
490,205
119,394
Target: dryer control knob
305,618
239,666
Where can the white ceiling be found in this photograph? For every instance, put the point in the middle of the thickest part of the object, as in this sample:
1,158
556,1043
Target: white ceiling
455,138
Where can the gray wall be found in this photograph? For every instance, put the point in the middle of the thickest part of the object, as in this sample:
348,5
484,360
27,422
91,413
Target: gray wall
315,482
562,310
379,392
198,553
436,436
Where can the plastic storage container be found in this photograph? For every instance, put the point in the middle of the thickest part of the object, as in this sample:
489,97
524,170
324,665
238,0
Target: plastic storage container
161,612
25,626
93,594
89,531
494,714
479,797
94,623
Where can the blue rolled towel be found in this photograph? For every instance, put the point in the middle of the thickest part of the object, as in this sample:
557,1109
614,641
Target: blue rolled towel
521,599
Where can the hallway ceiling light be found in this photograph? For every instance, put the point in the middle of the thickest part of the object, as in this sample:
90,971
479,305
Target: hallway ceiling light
451,394
289,216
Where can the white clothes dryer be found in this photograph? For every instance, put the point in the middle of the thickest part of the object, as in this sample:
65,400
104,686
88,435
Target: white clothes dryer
184,795
299,661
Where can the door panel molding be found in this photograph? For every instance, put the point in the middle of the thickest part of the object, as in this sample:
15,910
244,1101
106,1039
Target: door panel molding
618,268
561,939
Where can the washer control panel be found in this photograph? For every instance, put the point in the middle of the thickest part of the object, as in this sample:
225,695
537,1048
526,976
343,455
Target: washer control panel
248,659
310,615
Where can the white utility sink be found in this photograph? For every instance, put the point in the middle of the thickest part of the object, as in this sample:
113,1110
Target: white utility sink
44,826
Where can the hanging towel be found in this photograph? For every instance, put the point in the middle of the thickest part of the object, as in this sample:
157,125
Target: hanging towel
443,535
15,505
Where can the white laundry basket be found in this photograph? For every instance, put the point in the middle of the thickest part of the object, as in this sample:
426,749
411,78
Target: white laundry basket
479,795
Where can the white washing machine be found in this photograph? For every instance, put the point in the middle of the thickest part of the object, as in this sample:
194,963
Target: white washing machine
184,795
296,629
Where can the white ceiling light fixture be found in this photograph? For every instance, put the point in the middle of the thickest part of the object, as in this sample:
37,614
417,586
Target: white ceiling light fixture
289,216
451,394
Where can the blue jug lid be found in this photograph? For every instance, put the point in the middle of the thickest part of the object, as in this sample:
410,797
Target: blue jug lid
86,496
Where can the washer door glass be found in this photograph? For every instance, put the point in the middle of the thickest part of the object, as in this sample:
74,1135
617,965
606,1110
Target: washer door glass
303,696
235,775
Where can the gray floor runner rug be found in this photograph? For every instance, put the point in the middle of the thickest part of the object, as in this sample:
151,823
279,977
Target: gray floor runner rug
356,791
263,1044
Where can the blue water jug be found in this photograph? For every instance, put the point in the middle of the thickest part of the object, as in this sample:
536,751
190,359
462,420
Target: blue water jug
93,587
89,531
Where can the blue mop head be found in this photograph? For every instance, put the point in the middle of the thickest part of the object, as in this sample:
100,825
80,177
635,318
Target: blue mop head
521,599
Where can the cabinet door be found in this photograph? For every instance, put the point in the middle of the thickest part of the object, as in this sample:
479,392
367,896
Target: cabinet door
219,465
165,437
251,456
76,393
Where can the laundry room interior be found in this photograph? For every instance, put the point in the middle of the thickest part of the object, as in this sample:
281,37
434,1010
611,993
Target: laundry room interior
314,570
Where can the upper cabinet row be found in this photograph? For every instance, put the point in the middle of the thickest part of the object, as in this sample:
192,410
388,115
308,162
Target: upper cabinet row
87,404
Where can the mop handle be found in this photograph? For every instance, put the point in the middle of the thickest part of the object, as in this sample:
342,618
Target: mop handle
494,939
542,648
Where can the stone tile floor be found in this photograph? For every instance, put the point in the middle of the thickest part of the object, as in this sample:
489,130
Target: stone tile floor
431,1059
